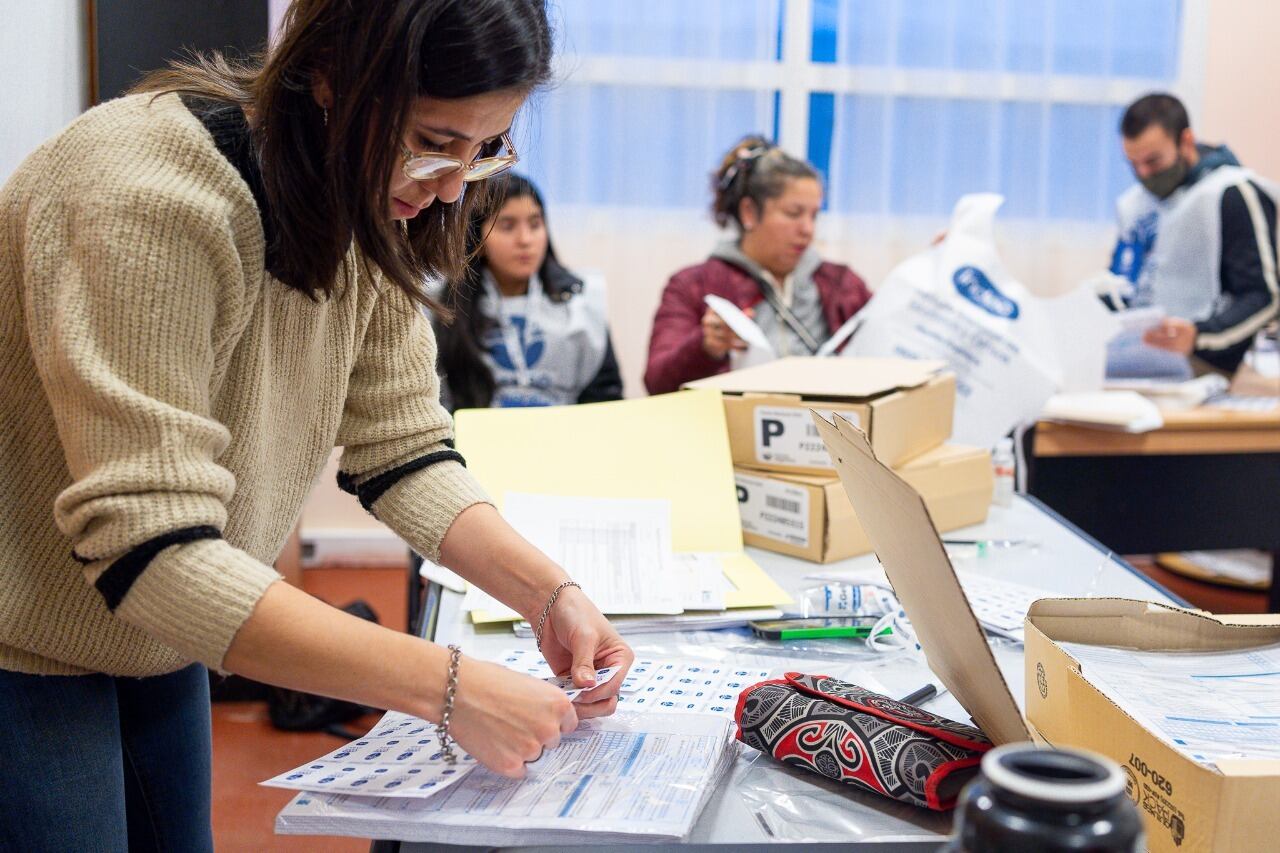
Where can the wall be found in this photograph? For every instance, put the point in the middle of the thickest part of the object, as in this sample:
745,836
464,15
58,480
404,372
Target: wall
1242,82
44,73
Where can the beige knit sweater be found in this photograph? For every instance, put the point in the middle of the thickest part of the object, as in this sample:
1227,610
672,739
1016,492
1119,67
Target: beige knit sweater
153,378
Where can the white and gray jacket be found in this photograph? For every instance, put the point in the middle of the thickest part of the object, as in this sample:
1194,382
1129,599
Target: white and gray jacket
1207,253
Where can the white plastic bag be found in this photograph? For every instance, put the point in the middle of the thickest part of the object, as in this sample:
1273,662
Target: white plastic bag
1010,350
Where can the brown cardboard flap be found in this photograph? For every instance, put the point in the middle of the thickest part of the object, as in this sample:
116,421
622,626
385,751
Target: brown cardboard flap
897,522
825,378
1147,626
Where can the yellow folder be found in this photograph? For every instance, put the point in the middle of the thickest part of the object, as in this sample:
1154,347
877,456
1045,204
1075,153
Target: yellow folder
673,447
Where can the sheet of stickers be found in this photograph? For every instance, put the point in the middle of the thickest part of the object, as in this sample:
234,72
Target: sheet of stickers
655,684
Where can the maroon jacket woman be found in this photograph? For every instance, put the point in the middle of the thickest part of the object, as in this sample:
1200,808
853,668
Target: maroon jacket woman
771,272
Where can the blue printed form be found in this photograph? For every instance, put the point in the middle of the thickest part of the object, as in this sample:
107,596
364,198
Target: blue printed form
1207,705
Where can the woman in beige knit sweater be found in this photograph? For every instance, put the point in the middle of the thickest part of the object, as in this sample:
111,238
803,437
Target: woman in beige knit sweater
204,287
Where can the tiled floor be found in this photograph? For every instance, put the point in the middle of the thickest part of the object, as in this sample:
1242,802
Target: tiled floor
247,749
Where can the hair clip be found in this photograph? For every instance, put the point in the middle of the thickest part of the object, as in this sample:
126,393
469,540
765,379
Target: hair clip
744,156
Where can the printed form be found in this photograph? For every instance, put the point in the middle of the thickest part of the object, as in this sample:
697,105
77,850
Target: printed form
1207,705
619,549
625,776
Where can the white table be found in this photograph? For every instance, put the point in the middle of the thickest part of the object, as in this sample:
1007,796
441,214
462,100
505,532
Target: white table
1066,562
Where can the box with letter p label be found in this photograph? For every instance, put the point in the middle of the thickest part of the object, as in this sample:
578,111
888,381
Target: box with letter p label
809,515
905,406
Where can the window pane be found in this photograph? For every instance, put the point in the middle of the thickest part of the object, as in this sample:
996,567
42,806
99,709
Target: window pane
1026,45
969,164
1119,172
1021,157
637,145
923,30
916,157
865,28
977,28
1144,38
1082,139
706,29
858,155
1079,37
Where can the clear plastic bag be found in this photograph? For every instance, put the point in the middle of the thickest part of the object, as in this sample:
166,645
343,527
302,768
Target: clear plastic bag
794,806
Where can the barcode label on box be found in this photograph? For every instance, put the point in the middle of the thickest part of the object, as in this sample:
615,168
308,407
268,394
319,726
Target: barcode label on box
774,509
775,502
786,435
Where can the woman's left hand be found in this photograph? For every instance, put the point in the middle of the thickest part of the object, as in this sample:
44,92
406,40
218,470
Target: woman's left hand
578,640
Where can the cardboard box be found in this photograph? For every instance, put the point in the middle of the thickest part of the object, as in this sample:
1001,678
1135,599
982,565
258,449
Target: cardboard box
905,406
809,515
1185,805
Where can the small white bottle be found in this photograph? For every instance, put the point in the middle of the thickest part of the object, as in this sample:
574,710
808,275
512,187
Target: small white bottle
1002,467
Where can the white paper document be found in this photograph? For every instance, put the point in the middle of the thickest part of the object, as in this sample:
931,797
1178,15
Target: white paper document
1207,705
758,350
1128,356
399,757
618,549
701,576
627,776
530,662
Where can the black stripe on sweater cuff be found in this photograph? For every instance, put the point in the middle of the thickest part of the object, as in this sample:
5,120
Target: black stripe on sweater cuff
119,577
369,491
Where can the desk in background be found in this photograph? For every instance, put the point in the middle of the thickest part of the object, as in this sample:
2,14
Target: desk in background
1208,479
1066,562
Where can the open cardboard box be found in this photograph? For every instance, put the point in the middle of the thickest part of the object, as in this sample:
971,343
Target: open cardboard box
906,407
1184,805
809,515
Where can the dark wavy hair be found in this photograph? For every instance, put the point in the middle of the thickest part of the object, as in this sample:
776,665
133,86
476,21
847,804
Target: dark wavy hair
753,168
460,333
326,183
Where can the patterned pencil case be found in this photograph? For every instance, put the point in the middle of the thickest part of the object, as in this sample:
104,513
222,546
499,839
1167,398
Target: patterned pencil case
861,738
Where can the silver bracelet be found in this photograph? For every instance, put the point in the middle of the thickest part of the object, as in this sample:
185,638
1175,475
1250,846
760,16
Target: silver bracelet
546,611
450,691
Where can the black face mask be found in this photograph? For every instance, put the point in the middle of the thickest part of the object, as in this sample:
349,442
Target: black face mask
1162,184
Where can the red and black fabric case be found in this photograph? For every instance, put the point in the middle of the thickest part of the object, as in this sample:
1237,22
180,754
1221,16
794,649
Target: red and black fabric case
861,738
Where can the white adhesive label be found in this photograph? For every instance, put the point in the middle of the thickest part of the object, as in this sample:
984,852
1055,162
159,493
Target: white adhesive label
787,436
777,510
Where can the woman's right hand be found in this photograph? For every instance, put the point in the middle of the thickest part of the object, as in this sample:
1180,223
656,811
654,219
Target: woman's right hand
507,719
717,338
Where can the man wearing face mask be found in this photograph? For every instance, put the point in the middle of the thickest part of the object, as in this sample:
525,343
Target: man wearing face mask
1197,237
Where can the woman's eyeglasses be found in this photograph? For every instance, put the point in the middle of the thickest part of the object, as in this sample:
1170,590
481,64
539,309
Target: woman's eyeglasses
434,165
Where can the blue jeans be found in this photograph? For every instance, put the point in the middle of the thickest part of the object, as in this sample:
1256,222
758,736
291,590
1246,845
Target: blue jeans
93,762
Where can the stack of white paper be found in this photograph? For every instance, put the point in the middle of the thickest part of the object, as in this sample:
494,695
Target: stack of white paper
617,548
1120,410
690,620
626,777
1173,395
